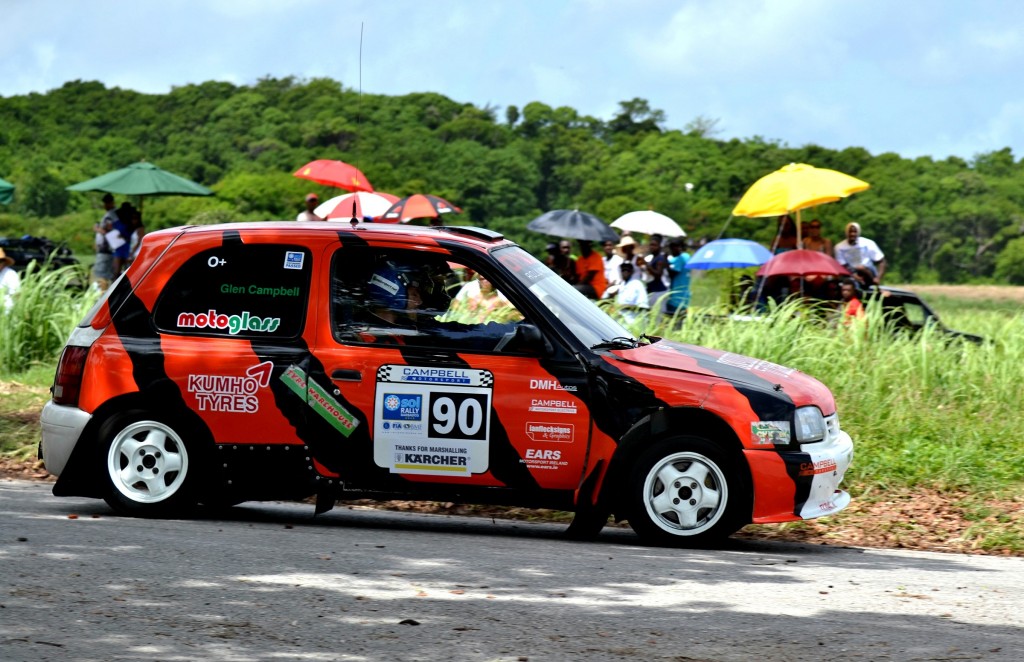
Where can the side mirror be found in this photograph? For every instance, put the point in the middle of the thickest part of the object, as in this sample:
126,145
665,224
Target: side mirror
530,339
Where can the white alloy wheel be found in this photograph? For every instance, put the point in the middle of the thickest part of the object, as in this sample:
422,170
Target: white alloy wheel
147,462
685,493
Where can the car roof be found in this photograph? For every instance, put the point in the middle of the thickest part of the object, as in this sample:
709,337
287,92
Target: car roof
480,238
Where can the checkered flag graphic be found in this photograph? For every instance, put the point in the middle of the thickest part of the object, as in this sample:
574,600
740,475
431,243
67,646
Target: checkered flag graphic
486,378
384,373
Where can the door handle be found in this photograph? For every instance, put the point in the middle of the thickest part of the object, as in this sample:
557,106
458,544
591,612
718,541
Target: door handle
347,375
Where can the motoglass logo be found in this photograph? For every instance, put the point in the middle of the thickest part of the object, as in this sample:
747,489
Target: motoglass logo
234,324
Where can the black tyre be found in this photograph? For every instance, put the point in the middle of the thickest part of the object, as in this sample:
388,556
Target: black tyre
687,491
149,468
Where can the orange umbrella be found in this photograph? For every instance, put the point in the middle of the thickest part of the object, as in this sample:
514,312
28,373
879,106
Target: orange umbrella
418,205
335,173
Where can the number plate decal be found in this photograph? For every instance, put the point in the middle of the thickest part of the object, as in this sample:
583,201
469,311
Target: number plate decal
432,421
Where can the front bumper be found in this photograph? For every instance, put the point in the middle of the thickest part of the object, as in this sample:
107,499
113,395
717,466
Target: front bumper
791,485
62,427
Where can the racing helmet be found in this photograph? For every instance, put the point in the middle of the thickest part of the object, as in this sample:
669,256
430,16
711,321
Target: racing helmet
389,284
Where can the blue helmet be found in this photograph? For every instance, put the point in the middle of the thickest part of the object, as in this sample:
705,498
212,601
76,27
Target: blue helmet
388,288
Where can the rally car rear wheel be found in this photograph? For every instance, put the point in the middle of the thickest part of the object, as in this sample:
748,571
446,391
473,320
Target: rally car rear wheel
687,491
149,470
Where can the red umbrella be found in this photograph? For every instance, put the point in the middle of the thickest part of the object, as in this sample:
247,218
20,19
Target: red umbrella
418,205
367,205
335,173
802,262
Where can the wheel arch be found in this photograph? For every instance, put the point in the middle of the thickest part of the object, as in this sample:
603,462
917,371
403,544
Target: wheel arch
84,473
664,424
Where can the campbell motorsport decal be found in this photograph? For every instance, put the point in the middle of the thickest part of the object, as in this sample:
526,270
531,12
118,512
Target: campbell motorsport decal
432,421
768,433
230,393
320,400
234,324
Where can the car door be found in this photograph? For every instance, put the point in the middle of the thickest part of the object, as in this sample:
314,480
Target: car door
450,388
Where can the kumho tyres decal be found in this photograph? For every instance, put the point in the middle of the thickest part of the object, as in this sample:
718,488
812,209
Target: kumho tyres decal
319,400
230,393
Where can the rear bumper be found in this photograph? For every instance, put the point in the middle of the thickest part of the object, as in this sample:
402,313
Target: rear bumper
62,427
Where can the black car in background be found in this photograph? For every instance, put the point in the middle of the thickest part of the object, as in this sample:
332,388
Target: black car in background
28,248
909,312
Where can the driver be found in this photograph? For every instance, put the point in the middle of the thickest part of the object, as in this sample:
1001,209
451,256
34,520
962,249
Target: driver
409,303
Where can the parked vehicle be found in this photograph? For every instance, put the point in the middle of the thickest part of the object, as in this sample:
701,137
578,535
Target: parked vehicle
284,360
909,312
29,248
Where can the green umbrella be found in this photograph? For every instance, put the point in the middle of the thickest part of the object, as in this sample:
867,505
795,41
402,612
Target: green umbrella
141,179
6,192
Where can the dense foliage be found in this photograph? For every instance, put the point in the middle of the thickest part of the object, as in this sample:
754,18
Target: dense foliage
949,220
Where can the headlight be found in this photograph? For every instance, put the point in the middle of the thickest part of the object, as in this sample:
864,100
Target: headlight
810,425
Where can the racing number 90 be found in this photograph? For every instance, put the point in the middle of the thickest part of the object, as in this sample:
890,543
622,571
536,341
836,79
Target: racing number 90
458,416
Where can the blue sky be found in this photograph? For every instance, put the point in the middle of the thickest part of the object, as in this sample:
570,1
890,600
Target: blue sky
915,77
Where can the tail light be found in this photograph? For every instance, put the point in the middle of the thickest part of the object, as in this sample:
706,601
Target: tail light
67,386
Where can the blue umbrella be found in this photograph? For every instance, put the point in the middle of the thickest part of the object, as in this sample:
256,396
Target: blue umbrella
729,254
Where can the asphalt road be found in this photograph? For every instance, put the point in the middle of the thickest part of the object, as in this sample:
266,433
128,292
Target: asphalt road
267,582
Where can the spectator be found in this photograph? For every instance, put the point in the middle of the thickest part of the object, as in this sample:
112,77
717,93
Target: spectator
813,241
9,281
312,200
785,238
857,251
120,239
655,266
103,266
138,231
679,277
590,271
852,307
559,261
611,260
631,297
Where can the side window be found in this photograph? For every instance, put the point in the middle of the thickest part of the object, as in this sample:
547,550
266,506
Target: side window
915,313
390,296
240,291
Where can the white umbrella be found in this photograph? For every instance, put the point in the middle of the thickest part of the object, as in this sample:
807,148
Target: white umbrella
648,222
368,205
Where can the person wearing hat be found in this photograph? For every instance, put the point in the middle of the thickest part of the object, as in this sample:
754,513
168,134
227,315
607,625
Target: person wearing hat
857,252
312,200
9,280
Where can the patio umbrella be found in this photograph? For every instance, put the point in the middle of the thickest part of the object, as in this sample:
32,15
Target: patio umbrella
794,187
417,205
648,222
141,179
6,192
729,254
802,262
366,205
572,224
334,173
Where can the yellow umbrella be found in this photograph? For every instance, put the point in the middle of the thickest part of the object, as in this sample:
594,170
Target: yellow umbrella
794,187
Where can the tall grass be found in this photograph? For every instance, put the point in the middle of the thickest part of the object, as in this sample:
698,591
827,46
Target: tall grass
47,306
923,410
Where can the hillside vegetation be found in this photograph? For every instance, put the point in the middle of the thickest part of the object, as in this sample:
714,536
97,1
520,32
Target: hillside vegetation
948,221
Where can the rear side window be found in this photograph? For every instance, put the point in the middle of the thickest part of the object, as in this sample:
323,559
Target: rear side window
239,291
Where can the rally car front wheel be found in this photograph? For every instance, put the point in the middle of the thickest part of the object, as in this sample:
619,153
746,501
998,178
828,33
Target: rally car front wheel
148,467
687,491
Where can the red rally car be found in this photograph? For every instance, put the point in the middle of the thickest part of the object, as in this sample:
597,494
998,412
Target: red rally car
285,360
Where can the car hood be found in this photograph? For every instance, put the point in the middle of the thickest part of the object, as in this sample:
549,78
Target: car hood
669,356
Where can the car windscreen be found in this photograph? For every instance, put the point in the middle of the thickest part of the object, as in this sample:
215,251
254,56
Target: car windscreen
580,315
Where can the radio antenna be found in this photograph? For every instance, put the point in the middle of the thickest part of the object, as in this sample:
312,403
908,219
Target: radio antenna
359,113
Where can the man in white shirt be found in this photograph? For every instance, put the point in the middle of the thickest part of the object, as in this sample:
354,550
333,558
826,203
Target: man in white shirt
631,299
856,252
307,214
